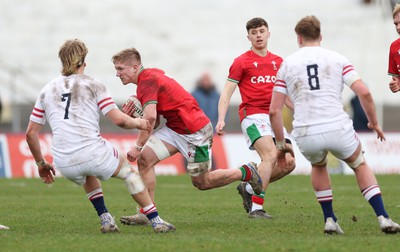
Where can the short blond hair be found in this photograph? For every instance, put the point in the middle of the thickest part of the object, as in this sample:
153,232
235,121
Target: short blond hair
396,10
130,54
72,55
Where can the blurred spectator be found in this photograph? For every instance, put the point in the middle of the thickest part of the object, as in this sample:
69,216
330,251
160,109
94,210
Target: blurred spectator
207,96
360,120
1,108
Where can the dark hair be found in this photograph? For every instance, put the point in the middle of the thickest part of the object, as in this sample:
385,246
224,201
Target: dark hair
255,23
309,28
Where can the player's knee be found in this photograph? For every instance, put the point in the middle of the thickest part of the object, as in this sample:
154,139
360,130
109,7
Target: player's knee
143,162
124,170
357,162
132,180
197,169
134,183
201,185
290,165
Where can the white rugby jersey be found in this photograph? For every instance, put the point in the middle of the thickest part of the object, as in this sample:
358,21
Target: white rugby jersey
314,78
71,105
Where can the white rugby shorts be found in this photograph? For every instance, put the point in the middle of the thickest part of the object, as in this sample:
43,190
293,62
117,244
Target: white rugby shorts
342,143
196,147
101,166
256,126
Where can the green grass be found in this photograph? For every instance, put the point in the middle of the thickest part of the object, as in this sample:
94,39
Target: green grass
59,217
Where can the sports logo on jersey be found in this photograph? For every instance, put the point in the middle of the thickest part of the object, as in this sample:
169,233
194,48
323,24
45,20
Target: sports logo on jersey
274,65
263,79
255,64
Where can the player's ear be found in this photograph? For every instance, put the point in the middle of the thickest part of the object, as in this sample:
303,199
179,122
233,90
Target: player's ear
299,40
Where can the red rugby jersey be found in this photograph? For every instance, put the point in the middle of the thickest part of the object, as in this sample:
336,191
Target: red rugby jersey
174,103
394,58
255,76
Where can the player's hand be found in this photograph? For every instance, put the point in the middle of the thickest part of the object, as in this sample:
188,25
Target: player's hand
133,154
220,128
46,172
378,130
128,108
281,159
143,124
287,149
394,85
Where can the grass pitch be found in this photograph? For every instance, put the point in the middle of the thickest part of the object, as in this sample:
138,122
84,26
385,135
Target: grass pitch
59,217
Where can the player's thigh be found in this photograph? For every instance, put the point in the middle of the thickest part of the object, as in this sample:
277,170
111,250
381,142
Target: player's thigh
265,148
101,166
155,150
257,126
195,147
345,143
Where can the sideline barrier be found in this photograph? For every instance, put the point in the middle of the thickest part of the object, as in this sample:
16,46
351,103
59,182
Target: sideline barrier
229,151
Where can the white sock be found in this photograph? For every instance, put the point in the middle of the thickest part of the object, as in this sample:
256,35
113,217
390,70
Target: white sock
106,216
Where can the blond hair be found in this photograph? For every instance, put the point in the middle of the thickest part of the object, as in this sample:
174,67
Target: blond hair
396,10
72,55
129,54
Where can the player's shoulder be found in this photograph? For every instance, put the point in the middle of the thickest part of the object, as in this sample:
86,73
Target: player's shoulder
395,44
150,73
87,82
274,56
52,83
244,56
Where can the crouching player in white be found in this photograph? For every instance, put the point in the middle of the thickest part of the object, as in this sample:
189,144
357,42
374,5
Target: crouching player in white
314,78
71,104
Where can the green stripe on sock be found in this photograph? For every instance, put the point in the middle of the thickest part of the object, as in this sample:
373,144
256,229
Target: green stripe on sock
261,195
243,170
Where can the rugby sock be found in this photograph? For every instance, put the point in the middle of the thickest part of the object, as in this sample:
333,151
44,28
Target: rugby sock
373,195
97,199
106,216
246,172
151,212
258,201
325,199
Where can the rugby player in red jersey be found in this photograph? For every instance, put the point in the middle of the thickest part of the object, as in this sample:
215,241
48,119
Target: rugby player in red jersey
254,72
394,54
187,130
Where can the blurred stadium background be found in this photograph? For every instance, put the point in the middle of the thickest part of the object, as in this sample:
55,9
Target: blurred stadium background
185,38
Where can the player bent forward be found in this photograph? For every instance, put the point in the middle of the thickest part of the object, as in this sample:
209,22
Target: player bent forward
187,130
320,123
71,104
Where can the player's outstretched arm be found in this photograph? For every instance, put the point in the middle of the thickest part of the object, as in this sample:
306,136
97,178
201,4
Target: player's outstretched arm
126,122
